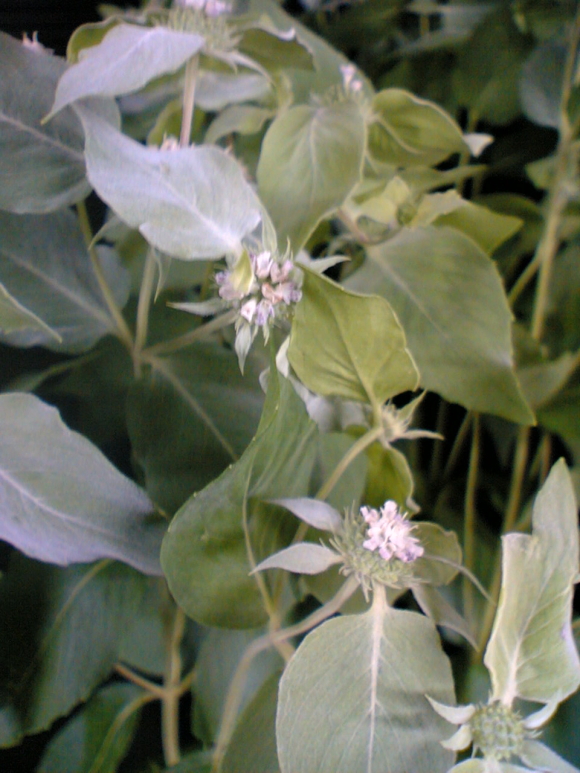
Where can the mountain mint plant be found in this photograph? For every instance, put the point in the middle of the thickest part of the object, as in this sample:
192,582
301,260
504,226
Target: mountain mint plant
290,333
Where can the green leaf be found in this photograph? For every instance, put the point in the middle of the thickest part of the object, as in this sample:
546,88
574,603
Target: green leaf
349,345
41,166
44,263
531,653
389,477
97,738
310,161
488,229
61,630
304,558
143,643
436,607
252,748
409,131
216,663
241,119
190,203
540,757
201,414
541,84
204,553
214,91
273,48
16,318
487,85
438,543
62,500
450,300
367,675
542,381
125,60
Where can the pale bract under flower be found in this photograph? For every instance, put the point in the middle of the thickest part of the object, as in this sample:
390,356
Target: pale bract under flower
389,533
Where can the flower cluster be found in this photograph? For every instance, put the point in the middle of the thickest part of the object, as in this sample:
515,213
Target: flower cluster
209,7
389,532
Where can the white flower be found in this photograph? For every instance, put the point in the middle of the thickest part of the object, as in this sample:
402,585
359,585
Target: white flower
389,532
262,264
349,82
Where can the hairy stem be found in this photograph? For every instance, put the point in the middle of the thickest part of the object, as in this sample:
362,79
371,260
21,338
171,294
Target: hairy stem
470,517
172,692
122,329
191,69
187,339
144,305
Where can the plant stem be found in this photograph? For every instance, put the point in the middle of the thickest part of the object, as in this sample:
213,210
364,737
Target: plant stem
172,692
234,696
131,676
355,450
188,100
144,305
470,517
122,329
185,340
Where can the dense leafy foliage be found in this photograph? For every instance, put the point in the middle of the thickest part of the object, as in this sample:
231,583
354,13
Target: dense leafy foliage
289,421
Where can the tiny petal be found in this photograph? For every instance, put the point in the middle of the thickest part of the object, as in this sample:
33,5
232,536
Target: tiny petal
279,273
460,740
264,311
248,310
457,715
262,264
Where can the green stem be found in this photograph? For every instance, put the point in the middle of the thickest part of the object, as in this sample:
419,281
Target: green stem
470,517
355,450
191,69
122,329
172,692
235,692
144,304
127,673
187,339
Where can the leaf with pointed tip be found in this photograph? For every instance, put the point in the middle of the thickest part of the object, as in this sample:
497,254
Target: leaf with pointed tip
367,675
531,653
349,345
125,60
45,264
70,505
204,553
310,161
540,757
436,607
314,512
16,318
190,203
450,300
97,737
42,167
304,558
61,635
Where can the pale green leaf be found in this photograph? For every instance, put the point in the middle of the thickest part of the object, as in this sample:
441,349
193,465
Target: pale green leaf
543,381
273,48
304,558
531,653
241,119
69,505
438,544
61,630
97,738
125,60
41,166
310,161
190,203
45,264
252,748
488,229
409,131
204,553
314,512
214,91
16,318
349,345
442,613
450,300
541,83
366,675
540,757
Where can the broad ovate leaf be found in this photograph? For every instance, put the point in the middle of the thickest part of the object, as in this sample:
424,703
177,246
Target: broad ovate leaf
62,501
45,264
190,203
304,558
204,553
407,130
311,159
41,165
450,300
349,345
531,653
540,757
125,60
352,699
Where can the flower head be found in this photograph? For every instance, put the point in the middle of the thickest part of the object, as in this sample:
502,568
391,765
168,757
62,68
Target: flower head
389,532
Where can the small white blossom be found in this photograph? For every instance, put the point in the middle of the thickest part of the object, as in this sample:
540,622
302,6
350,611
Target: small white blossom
34,45
349,82
209,7
262,264
389,532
